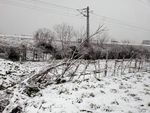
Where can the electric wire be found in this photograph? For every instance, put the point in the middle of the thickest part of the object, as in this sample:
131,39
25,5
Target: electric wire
48,10
52,4
117,21
35,7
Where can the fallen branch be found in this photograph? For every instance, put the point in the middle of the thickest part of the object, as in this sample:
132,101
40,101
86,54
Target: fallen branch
43,72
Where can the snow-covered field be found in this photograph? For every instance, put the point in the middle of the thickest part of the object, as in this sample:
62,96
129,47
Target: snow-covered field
128,93
16,40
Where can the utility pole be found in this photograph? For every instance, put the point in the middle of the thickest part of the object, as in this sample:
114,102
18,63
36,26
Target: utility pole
88,24
85,12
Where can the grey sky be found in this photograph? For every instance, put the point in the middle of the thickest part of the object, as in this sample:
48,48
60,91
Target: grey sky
19,17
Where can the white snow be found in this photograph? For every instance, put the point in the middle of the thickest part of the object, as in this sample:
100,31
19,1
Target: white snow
128,93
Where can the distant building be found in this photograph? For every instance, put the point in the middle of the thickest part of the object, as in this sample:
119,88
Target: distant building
147,42
114,42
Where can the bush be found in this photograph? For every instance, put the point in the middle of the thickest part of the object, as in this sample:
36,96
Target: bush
74,52
94,52
57,55
68,52
46,47
2,50
13,54
43,36
88,53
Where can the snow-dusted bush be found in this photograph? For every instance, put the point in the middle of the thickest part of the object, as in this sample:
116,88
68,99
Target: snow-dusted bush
43,39
13,54
43,36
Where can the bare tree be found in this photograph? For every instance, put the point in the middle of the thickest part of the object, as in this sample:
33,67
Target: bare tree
44,43
80,35
43,36
64,33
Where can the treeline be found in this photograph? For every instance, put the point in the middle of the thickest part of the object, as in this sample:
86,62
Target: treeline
44,41
95,52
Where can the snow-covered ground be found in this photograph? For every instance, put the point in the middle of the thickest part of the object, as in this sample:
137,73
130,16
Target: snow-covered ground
128,93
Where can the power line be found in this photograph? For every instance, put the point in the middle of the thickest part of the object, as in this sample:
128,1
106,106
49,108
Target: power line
48,3
120,22
116,21
35,7
53,4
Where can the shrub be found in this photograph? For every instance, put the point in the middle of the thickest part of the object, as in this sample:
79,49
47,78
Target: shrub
2,50
43,36
84,52
13,54
57,55
74,52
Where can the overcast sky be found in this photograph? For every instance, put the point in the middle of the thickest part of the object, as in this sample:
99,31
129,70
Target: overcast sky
124,19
